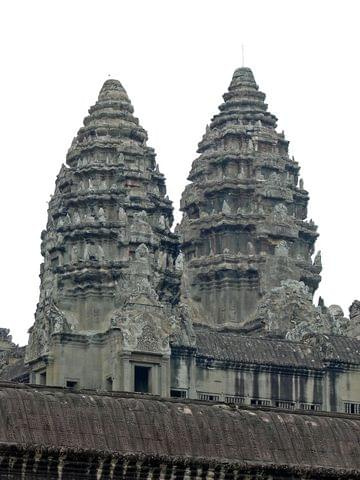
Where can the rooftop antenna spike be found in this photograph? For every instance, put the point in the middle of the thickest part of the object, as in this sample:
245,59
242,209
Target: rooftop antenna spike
243,55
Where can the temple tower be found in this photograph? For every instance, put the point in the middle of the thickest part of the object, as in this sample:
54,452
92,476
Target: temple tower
244,227
108,280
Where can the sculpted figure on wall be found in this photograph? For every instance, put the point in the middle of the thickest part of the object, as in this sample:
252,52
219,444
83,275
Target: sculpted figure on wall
142,261
226,208
281,213
179,262
355,309
77,218
74,254
250,248
162,260
101,215
162,223
339,322
317,259
250,145
122,216
281,249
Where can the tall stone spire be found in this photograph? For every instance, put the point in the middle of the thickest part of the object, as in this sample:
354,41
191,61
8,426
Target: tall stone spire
109,254
244,227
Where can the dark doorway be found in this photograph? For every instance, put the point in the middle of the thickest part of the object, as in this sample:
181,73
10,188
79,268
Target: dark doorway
43,378
109,384
71,384
142,379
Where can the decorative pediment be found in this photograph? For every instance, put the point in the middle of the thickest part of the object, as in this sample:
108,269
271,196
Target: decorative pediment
143,331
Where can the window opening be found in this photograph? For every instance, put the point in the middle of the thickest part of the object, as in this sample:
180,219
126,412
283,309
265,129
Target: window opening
352,408
208,397
142,379
259,402
176,393
309,406
234,399
285,404
71,384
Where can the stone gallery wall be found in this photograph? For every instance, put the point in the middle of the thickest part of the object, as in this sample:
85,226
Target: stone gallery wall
220,308
51,433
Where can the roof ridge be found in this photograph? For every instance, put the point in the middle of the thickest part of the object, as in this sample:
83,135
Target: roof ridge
185,401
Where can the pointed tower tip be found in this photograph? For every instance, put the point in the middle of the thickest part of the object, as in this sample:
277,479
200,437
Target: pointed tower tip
113,90
243,77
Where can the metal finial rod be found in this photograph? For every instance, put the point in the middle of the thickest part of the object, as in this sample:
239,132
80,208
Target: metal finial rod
243,55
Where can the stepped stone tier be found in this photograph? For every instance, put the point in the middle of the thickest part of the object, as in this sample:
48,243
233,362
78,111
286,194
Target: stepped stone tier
109,254
11,358
6,342
57,434
244,228
354,327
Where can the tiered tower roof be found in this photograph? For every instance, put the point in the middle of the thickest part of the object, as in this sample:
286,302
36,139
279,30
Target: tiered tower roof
108,245
244,101
110,123
244,229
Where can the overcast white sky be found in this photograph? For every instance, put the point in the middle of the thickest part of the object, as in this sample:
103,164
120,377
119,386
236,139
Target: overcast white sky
176,59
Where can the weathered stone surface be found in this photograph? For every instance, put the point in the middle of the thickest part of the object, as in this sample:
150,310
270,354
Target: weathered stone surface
237,348
311,350
6,342
288,312
11,358
245,330
354,323
139,431
243,229
354,309
109,253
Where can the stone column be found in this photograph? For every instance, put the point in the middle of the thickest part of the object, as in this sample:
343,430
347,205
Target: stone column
126,376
